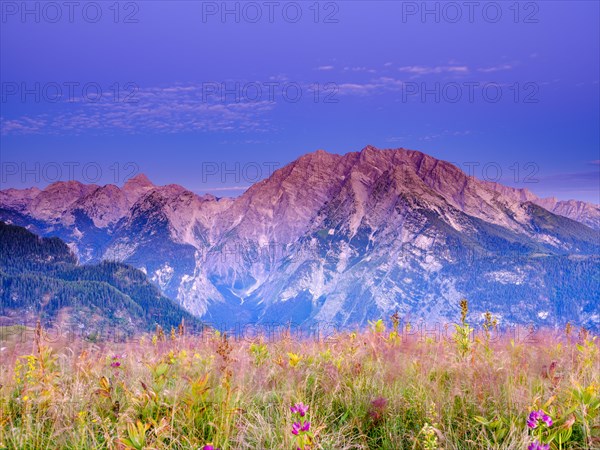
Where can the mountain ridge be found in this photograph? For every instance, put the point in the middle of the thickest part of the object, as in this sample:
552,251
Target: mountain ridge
317,227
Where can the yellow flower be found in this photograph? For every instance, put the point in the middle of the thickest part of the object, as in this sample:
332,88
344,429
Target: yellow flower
294,359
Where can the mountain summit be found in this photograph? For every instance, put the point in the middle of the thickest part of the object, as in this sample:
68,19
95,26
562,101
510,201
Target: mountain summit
340,239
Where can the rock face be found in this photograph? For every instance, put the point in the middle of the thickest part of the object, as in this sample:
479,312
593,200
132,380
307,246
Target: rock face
339,239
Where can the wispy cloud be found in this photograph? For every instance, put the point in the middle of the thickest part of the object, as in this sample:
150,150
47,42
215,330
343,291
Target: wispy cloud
359,69
429,137
497,68
325,68
445,133
171,109
426,70
375,86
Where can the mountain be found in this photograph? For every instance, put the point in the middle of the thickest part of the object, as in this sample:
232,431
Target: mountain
586,213
338,240
40,278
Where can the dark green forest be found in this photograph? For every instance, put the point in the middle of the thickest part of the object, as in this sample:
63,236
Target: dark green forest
40,279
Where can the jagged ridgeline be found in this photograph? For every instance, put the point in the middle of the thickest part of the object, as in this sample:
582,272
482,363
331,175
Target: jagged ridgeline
338,239
40,278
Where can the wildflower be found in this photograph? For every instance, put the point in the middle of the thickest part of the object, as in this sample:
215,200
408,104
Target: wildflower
299,408
115,361
294,359
535,417
209,447
298,427
536,445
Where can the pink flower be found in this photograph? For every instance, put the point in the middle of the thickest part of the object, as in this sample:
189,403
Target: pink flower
298,427
535,417
299,408
115,361
538,446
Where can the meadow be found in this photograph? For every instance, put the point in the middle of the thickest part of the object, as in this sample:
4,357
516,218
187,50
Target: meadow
391,386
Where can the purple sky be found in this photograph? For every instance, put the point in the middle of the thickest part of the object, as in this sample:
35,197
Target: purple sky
215,99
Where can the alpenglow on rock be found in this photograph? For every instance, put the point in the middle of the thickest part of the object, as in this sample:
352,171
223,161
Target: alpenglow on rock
340,239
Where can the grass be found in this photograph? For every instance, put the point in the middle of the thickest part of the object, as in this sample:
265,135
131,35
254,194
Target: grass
381,388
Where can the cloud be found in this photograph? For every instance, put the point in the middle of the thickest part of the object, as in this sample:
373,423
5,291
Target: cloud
171,109
396,139
325,68
495,68
426,70
429,137
359,69
375,86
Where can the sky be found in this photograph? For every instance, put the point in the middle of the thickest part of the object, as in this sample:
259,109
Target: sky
214,96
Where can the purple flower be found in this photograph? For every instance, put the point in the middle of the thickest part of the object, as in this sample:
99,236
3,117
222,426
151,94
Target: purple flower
299,408
536,416
548,420
115,364
536,445
296,428
209,447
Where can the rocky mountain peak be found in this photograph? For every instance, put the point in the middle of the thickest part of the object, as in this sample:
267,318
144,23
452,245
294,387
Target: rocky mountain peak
139,181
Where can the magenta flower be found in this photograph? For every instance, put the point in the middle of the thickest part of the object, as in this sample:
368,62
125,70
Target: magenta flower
536,445
115,361
535,416
209,447
298,427
299,408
